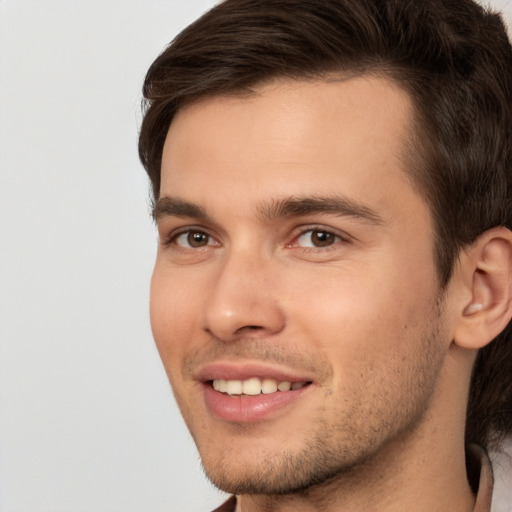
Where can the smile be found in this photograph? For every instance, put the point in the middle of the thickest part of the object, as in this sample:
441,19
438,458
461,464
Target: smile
254,386
247,391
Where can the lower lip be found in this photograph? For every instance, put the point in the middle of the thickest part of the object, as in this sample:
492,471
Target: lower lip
248,409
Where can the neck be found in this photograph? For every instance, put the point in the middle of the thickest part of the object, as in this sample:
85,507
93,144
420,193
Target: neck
390,483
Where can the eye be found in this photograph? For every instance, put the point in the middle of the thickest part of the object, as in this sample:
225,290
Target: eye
193,239
317,238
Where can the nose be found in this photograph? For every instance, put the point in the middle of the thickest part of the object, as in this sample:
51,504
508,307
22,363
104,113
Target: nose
244,300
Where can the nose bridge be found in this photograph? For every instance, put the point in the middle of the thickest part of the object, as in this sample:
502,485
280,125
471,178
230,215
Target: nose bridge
244,297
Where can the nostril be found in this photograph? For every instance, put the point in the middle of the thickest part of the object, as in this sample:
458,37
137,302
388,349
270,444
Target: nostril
249,328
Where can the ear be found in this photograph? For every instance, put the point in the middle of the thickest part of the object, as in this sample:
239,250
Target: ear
486,275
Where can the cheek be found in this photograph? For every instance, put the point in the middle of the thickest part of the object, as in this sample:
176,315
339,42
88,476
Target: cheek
173,314
380,350
362,319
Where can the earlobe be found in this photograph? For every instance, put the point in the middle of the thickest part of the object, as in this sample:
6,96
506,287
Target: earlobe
487,273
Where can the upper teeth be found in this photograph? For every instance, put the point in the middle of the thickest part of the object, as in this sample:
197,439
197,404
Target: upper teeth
254,386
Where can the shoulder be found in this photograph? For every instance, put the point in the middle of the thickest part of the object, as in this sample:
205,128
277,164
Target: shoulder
502,469
227,506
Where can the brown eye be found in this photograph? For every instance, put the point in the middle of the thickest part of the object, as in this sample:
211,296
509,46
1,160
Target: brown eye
193,239
322,238
317,238
197,239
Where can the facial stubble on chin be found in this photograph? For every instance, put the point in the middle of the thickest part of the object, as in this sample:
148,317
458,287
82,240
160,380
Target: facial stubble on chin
344,445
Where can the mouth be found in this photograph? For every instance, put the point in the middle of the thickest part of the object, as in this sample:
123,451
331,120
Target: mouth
255,386
248,393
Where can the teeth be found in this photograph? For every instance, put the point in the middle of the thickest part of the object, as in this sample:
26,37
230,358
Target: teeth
234,387
268,386
254,386
220,385
251,386
284,386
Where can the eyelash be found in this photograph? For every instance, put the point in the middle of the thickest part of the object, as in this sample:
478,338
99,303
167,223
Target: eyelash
336,238
174,236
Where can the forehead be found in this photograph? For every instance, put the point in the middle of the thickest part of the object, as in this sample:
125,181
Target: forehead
292,138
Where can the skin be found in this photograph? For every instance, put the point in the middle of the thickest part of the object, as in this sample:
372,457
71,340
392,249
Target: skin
348,300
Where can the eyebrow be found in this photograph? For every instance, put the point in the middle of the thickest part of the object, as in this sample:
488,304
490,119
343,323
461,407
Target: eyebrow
286,207
331,205
173,207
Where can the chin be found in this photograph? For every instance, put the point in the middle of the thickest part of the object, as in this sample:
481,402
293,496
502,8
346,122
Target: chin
280,473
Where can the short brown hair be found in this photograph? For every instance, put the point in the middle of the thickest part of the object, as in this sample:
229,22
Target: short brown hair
454,59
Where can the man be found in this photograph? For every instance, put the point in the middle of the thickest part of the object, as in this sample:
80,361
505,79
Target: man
332,292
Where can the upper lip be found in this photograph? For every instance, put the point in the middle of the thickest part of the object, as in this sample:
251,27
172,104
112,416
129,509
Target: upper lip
229,370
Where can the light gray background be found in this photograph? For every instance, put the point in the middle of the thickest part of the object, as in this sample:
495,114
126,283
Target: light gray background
87,420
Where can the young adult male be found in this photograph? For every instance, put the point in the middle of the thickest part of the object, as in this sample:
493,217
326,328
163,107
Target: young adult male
332,292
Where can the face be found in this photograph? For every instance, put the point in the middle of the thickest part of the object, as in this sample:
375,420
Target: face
294,298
